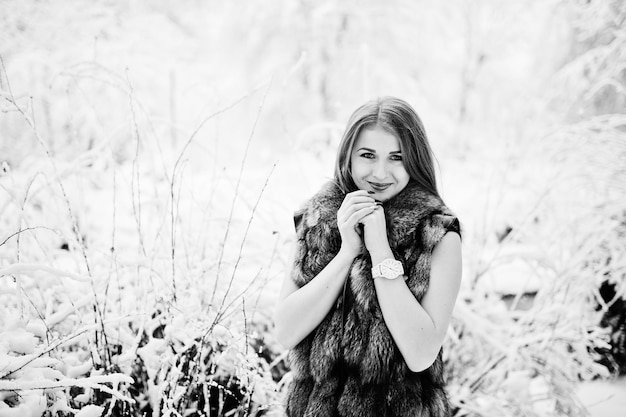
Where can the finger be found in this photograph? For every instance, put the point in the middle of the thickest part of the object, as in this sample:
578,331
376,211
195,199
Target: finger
359,192
354,199
377,212
358,215
344,215
348,216
356,206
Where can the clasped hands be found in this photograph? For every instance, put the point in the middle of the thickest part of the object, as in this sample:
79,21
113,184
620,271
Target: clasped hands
360,208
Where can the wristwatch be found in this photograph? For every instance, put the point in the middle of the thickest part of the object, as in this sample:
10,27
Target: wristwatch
388,269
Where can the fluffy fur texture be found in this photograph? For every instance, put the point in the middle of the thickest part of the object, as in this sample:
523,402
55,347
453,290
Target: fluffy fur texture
376,380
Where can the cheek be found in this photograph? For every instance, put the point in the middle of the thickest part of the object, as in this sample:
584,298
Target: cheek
402,176
401,172
358,169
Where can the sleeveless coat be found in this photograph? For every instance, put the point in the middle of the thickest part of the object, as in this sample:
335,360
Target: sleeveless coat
349,365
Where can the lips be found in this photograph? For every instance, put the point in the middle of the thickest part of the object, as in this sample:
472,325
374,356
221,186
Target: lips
379,187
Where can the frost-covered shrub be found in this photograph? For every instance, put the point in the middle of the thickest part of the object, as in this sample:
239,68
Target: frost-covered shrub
610,295
177,368
55,377
262,339
214,372
614,318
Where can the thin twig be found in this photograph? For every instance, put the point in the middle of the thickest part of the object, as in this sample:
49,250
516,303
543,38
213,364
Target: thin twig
224,313
49,349
26,229
267,277
48,331
244,239
245,325
236,194
94,382
13,269
135,176
176,170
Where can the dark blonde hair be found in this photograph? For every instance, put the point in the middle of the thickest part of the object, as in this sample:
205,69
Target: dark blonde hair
397,117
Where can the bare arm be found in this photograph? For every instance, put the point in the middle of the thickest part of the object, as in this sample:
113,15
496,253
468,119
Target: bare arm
420,328
301,310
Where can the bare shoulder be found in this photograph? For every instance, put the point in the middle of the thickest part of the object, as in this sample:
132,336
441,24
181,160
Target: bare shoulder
448,248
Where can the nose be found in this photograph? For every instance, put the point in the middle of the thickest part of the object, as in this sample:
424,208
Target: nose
380,170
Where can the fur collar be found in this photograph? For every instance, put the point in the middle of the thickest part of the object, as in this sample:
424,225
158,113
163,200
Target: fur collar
411,201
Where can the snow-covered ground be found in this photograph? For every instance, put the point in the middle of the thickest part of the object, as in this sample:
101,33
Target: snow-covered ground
604,398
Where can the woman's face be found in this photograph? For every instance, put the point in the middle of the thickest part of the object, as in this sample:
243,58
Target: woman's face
377,165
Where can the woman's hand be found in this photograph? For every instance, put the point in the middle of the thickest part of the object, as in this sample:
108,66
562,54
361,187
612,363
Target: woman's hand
375,234
356,206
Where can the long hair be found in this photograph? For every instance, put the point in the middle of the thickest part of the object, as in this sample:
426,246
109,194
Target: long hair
397,117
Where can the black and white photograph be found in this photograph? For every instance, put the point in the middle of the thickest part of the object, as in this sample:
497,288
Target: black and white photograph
298,208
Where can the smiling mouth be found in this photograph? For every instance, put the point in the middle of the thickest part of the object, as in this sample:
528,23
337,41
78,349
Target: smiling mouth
376,186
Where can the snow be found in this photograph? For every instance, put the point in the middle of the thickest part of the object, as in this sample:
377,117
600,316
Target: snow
604,398
513,277
32,404
37,327
32,269
79,370
20,341
90,411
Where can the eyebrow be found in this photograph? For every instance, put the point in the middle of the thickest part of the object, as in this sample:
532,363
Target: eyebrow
374,151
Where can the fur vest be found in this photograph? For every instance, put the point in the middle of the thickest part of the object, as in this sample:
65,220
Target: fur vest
349,365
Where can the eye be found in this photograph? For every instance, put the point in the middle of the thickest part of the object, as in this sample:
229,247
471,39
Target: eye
367,155
396,157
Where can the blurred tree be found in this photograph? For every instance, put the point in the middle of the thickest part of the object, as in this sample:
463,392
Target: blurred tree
593,96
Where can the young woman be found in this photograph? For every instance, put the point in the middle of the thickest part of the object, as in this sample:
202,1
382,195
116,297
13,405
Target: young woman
375,276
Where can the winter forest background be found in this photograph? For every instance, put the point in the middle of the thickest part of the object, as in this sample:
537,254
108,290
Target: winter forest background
152,155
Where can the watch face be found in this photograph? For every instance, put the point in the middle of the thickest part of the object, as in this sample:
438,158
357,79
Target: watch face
389,269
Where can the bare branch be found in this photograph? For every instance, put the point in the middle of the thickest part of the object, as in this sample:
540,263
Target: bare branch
26,229
232,206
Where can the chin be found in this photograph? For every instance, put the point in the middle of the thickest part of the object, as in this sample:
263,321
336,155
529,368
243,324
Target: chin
386,195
